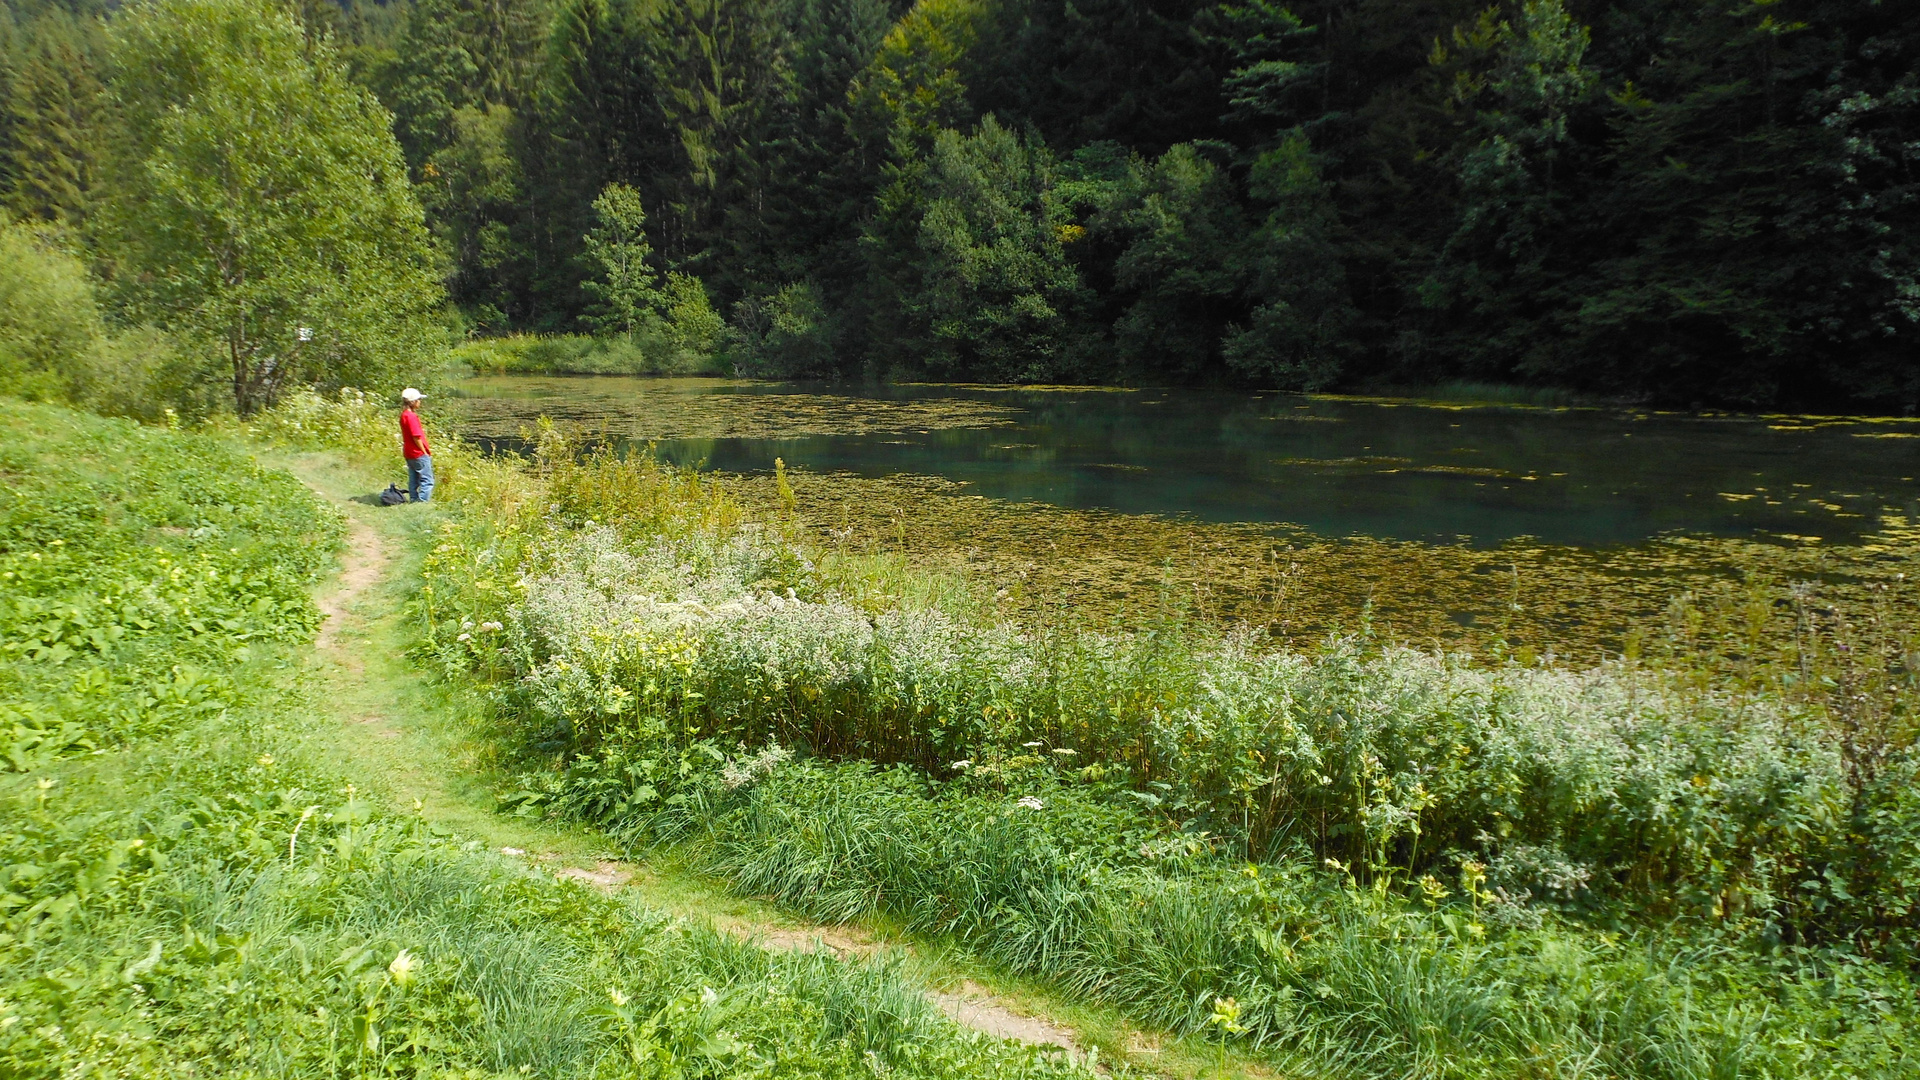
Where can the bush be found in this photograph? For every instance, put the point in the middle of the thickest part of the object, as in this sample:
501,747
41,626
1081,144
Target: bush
654,351
50,326
1581,787
55,345
782,335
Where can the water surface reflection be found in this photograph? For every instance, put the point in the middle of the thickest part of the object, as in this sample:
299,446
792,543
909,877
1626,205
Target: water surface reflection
1338,466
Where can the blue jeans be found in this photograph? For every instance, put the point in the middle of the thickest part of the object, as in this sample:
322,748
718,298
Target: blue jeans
420,478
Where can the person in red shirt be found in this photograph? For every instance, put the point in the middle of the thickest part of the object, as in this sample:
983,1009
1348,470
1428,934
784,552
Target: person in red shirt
413,446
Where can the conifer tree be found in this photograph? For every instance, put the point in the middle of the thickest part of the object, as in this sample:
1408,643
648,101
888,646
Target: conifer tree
52,105
626,290
720,72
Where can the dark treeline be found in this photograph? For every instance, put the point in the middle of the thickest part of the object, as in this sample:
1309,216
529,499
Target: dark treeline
1679,201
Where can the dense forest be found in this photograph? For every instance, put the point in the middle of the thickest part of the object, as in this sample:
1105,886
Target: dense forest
1679,201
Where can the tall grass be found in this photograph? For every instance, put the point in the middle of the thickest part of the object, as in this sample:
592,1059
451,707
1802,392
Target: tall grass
645,631
1328,974
1397,863
183,893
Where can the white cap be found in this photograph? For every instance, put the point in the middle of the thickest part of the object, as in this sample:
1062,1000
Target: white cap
410,394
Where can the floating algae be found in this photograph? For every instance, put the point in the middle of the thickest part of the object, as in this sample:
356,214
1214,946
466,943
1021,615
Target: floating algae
1120,569
1408,470
497,409
1576,531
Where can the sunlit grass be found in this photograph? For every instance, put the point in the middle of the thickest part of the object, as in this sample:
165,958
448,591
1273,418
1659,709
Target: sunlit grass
1395,863
203,893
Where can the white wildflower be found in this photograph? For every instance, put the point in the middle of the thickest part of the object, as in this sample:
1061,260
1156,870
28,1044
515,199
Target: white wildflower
403,967
1033,803
745,770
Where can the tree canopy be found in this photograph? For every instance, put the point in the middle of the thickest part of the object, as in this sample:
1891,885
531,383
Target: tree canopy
1670,200
259,206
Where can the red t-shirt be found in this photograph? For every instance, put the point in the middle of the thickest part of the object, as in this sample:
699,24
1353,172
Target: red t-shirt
413,437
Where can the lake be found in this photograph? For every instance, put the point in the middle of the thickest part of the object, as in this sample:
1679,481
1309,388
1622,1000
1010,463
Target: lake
1479,475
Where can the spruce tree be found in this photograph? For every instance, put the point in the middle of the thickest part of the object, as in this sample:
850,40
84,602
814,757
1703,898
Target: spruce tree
625,288
52,106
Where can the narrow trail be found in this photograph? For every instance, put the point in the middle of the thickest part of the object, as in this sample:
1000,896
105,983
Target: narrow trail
362,563
359,677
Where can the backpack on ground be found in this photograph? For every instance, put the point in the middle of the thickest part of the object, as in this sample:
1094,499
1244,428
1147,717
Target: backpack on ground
393,496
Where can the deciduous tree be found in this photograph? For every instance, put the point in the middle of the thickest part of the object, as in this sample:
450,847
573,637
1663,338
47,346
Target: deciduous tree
260,205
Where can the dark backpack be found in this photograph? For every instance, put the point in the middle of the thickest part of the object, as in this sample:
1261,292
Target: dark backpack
393,496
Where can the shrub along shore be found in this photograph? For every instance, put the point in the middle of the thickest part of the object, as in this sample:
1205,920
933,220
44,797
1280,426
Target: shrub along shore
186,891
1360,860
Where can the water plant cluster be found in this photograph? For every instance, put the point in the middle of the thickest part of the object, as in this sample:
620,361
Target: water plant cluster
186,891
1717,601
1395,862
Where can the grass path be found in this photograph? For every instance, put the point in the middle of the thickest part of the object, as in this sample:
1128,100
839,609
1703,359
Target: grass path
409,740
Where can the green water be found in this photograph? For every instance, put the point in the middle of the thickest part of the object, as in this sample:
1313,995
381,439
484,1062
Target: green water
1400,469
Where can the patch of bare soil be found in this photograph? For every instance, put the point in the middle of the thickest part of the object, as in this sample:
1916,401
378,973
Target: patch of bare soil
837,940
364,558
375,722
606,876
975,1006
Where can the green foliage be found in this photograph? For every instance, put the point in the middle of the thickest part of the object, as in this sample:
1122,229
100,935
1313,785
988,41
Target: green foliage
193,938
1298,329
719,73
138,564
1395,863
469,188
260,207
784,334
51,124
183,894
55,344
1075,883
626,288
693,328
672,321
1662,200
1178,272
973,241
1143,75
50,323
1388,760
577,354
458,77
912,87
